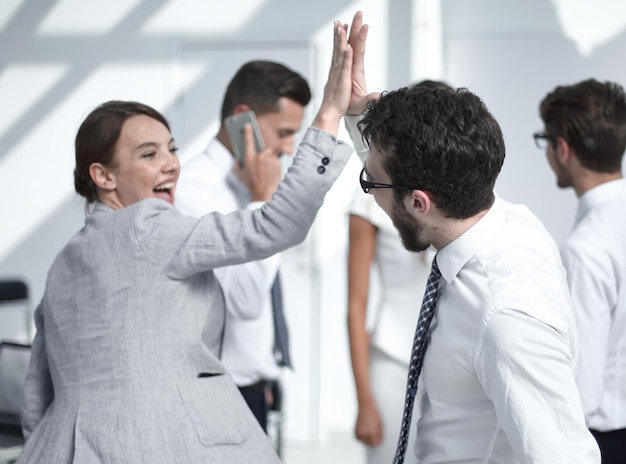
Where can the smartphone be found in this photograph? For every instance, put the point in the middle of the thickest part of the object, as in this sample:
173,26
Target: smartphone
234,126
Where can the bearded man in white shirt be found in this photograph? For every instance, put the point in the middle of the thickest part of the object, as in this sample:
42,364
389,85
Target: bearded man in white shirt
278,95
497,382
584,137
497,379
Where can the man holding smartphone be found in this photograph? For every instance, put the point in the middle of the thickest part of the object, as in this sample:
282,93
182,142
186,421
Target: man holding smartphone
255,343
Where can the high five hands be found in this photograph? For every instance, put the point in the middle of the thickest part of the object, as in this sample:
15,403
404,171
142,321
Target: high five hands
359,97
345,91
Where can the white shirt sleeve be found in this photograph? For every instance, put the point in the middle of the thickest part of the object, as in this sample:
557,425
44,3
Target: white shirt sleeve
525,368
594,292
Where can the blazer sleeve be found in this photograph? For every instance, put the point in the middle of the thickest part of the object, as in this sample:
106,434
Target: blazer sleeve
38,389
185,245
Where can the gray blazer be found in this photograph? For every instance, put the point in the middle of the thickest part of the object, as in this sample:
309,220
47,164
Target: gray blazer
125,363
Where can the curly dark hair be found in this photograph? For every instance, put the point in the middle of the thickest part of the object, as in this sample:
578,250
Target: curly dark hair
443,141
591,117
97,138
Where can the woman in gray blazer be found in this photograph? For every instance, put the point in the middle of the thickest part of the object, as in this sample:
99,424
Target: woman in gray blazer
125,362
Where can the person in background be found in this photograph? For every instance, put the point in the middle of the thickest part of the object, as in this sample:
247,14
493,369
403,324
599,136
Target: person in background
584,137
255,344
496,338
124,364
380,354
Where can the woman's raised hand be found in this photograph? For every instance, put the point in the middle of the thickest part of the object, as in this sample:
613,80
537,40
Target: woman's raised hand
356,40
338,88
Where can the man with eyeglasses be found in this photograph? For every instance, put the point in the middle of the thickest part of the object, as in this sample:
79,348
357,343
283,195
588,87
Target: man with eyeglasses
584,138
497,375
381,316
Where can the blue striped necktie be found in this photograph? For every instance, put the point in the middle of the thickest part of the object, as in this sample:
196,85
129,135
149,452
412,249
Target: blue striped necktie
429,303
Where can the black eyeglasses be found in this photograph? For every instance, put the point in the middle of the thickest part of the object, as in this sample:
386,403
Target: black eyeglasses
367,185
542,139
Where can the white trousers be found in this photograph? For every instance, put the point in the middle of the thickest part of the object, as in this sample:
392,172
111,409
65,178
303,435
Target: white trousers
388,381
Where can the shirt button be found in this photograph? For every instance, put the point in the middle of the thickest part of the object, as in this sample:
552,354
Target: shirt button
325,160
321,169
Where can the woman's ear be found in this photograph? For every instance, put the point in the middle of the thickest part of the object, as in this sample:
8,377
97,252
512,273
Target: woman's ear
102,177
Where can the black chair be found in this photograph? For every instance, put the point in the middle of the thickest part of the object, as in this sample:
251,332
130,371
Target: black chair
15,317
13,290
14,360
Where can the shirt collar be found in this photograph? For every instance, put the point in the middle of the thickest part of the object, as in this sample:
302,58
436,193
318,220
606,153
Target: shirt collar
457,253
598,195
225,162
219,154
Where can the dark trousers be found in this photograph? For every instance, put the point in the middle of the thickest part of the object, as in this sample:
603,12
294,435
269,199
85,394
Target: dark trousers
262,397
612,445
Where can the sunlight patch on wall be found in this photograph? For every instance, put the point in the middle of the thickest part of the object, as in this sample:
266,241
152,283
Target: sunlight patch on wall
186,75
38,79
202,17
375,14
36,176
591,24
9,7
79,17
427,47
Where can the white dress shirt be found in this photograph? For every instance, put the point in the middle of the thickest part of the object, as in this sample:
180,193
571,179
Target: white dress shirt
595,258
497,384
207,183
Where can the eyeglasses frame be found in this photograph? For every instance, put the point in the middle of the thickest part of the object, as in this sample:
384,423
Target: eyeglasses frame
367,185
543,135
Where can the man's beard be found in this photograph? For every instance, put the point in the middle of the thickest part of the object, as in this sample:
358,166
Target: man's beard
409,229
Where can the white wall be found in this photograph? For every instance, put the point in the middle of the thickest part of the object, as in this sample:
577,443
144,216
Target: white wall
512,54
60,59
